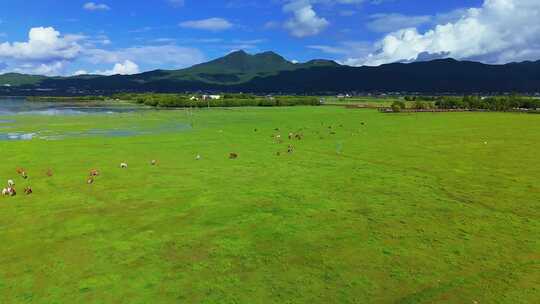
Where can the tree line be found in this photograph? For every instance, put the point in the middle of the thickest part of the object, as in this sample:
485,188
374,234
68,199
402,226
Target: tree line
468,102
227,100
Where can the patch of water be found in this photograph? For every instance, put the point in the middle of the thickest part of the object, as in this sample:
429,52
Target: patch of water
51,135
17,136
18,106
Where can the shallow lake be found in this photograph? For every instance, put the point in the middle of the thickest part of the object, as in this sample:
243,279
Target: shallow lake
13,109
15,105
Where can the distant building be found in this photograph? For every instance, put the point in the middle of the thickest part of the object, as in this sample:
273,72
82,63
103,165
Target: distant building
211,97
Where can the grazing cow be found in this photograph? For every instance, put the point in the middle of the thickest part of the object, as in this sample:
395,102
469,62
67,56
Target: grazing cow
233,156
11,191
299,136
10,183
28,190
5,192
20,170
291,135
290,149
94,172
90,181
123,165
24,175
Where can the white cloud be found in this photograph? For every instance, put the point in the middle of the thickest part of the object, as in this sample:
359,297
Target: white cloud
44,44
80,72
347,49
497,32
210,24
392,22
92,6
305,21
127,67
171,56
50,53
45,52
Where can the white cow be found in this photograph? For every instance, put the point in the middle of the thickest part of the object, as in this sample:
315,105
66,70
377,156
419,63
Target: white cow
123,165
10,183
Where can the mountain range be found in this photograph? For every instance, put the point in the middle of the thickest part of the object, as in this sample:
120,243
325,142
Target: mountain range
269,72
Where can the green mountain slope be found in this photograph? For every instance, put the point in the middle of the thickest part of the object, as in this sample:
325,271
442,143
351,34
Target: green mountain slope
16,79
271,73
237,67
233,69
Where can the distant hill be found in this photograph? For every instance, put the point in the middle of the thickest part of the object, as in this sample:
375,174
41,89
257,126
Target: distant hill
271,73
235,68
16,79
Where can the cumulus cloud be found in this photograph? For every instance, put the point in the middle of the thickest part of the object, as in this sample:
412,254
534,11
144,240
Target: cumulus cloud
305,21
45,52
44,44
127,67
48,52
172,56
345,49
92,6
392,22
497,32
210,24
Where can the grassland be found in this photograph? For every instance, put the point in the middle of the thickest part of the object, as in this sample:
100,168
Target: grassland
367,101
421,208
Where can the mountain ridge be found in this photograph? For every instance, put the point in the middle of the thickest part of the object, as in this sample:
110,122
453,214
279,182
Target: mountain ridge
269,72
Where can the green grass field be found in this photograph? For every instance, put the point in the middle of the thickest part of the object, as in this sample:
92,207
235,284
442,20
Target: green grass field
367,102
406,208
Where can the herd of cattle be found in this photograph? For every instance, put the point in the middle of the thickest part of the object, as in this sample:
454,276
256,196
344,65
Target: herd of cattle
10,190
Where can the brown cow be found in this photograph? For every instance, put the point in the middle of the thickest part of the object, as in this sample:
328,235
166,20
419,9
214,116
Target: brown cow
94,172
28,190
233,156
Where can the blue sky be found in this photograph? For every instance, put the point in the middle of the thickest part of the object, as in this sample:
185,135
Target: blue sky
58,37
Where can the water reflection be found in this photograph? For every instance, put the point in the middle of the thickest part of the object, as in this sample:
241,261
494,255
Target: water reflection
13,107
